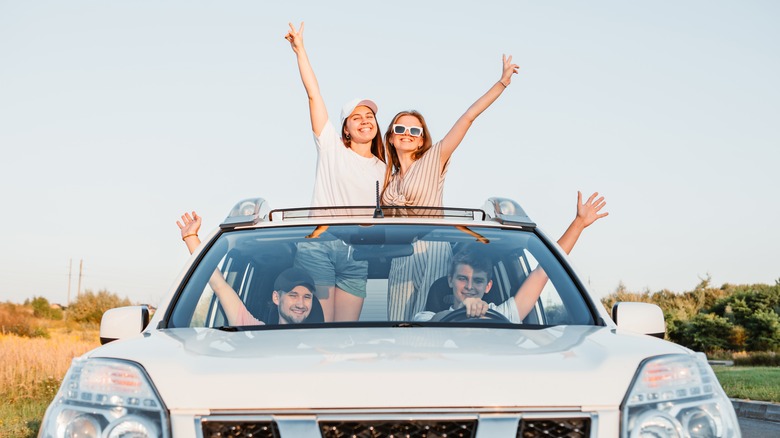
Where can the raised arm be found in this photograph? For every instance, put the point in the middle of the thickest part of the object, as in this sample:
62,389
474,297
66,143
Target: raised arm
587,213
189,226
317,110
452,140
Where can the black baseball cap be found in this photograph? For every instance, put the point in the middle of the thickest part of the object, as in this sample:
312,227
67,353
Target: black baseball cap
291,277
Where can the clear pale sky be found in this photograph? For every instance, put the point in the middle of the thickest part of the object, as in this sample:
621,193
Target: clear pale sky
116,117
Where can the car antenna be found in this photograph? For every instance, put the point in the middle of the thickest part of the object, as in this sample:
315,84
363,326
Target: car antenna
378,213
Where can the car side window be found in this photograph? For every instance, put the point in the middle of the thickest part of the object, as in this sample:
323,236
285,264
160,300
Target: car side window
559,301
203,309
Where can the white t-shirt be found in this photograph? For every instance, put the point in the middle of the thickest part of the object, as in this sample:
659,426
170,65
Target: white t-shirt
508,308
343,177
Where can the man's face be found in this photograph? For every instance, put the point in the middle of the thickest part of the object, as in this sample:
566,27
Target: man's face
294,306
468,283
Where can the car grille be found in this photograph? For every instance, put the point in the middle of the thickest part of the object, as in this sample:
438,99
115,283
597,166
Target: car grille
564,427
559,427
239,429
422,429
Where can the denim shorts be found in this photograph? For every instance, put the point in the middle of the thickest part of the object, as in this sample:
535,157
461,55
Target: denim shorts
331,264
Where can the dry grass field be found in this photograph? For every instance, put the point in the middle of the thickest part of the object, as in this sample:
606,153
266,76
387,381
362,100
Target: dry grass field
31,372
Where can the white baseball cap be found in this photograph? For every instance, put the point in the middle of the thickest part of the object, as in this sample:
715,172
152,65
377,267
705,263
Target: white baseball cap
350,106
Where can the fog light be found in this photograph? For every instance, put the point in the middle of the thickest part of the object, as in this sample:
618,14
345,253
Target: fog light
134,427
656,424
699,424
83,426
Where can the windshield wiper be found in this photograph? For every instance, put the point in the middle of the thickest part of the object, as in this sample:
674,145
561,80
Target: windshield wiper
227,328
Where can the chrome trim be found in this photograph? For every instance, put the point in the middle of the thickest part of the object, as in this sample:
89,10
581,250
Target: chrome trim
298,425
496,425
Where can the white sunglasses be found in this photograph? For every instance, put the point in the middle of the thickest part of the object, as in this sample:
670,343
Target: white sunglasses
414,131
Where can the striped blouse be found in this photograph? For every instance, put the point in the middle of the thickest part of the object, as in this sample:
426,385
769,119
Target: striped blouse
411,277
423,183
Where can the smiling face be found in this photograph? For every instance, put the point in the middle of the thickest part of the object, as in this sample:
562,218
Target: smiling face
294,306
406,142
361,125
468,283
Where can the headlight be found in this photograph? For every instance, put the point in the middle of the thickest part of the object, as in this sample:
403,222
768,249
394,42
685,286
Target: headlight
105,398
677,396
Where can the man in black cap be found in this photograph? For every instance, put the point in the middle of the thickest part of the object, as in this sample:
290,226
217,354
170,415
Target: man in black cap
293,295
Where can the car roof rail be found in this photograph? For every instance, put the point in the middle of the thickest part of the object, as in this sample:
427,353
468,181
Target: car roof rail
507,211
250,211
366,211
246,212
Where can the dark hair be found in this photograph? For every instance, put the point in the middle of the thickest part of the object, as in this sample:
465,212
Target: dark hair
377,147
476,256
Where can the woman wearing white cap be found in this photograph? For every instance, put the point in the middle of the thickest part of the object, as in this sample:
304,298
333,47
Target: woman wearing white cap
350,162
415,177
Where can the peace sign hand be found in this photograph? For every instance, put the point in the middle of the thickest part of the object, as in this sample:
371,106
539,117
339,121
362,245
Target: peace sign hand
295,37
509,70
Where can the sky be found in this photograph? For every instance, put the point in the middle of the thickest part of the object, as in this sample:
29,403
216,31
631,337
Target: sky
117,117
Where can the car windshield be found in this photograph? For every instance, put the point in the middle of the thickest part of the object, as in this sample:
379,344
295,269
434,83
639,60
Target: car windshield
419,274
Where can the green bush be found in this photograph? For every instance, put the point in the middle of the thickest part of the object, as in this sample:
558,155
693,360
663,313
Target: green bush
764,329
720,355
732,317
704,332
89,307
759,358
43,309
27,331
18,320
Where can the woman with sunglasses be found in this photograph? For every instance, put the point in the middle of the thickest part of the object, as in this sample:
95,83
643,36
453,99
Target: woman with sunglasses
415,177
350,163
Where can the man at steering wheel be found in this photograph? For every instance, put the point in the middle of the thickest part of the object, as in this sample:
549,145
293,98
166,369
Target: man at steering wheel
470,275
470,279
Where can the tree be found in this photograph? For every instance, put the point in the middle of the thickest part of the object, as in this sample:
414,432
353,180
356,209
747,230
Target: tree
739,337
755,308
42,309
89,307
706,318
622,294
764,329
704,332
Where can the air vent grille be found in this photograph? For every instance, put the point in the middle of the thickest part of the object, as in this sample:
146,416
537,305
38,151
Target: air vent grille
554,428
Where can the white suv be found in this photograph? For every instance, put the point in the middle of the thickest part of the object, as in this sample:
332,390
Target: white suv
565,368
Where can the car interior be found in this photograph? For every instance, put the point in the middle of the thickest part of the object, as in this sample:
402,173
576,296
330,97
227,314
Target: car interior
250,260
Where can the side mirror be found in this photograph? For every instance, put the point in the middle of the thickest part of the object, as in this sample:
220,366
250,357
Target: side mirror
643,318
123,322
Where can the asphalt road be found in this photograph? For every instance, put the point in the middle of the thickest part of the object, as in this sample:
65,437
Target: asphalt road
758,428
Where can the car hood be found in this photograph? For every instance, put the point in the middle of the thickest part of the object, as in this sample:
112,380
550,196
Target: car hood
409,367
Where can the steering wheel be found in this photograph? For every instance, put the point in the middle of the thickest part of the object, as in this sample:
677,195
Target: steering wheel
491,316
